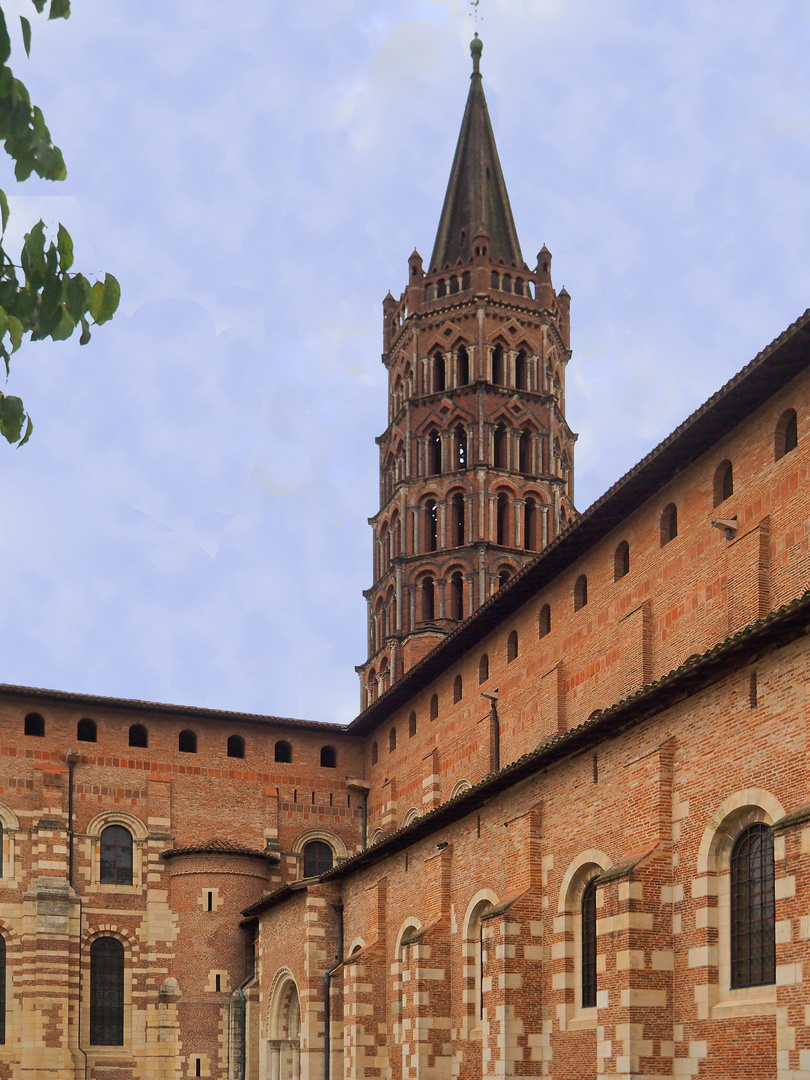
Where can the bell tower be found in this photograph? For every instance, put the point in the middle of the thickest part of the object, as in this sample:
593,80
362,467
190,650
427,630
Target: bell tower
476,463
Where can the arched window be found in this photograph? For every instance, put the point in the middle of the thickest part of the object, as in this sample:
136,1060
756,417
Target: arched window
434,452
588,931
457,688
621,560
753,912
494,280
138,736
460,439
669,524
115,866
86,731
431,525
723,482
34,725
428,612
506,283
502,520
497,365
282,752
187,742
475,946
412,725
457,521
457,596
503,577
375,753
441,287
392,740
465,280
580,592
439,379
521,368
530,525
318,858
236,746
328,757
483,668
106,992
463,360
512,647
454,284
499,447
786,436
3,977
434,707
544,621
525,452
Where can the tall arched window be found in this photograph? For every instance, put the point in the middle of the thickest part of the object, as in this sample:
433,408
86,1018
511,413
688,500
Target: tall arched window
138,736
502,520
282,752
503,577
521,370
453,284
458,688
328,757
669,524
412,725
786,436
499,447
236,746
753,910
497,366
434,453
187,742
621,560
434,707
86,731
460,439
318,858
457,596
723,482
115,867
525,452
580,592
512,647
544,621
431,525
392,740
530,524
375,753
475,945
463,366
428,606
483,668
107,992
588,931
457,520
439,379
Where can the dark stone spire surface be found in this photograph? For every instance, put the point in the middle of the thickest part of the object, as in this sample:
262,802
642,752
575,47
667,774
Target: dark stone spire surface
476,200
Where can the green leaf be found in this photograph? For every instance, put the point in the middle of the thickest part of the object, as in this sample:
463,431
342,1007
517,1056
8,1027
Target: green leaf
60,9
104,299
64,244
3,322
39,5
26,33
85,332
33,253
29,427
15,332
64,325
4,210
5,40
77,295
12,417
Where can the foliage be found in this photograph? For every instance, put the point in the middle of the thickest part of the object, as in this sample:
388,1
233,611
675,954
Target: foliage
38,296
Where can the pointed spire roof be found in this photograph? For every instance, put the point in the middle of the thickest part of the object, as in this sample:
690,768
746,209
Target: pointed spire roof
476,200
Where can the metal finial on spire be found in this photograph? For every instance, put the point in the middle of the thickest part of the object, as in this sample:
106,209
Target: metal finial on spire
476,48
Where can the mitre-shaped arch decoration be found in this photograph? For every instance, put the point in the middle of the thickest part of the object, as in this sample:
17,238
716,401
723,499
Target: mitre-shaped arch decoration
512,335
444,415
446,337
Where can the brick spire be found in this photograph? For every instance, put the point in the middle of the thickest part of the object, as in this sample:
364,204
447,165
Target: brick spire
476,201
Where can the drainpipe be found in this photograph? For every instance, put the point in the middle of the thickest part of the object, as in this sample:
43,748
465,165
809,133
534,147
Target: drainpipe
241,1063
73,758
365,820
327,985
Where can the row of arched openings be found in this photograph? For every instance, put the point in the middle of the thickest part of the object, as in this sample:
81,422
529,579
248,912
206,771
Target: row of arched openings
457,522
87,731
459,457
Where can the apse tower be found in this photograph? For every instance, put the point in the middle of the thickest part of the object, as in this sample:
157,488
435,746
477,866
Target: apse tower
476,463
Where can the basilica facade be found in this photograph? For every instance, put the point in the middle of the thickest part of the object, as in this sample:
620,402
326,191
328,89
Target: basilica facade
568,834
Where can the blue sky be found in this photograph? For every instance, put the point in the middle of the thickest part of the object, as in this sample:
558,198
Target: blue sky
188,522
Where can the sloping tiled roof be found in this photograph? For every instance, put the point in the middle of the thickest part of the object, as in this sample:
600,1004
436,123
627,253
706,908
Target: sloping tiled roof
220,847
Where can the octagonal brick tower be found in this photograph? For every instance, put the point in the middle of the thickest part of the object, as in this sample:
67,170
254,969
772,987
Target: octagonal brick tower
476,463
